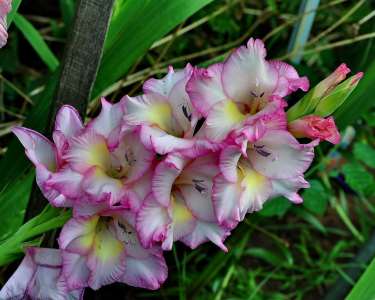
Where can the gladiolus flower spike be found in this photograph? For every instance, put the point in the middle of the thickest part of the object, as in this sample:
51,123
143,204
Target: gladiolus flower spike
141,175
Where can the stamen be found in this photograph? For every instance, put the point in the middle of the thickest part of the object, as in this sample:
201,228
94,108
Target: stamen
129,157
260,150
198,184
186,113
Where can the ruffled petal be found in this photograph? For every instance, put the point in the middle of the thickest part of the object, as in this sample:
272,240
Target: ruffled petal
152,222
88,150
132,155
148,273
256,189
107,259
195,185
205,88
102,187
75,270
172,87
16,286
162,143
150,109
288,79
229,158
289,188
38,277
183,220
164,85
109,118
67,182
246,72
206,231
279,155
138,190
222,119
77,235
37,148
164,176
68,121
225,198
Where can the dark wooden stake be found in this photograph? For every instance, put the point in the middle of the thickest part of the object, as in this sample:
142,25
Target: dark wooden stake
78,70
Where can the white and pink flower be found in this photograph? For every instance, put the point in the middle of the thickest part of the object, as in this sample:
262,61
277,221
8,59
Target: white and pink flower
164,113
272,165
185,161
180,206
39,276
232,94
104,248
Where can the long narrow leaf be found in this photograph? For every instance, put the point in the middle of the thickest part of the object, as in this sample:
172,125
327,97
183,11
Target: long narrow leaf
15,5
364,288
134,27
36,41
360,101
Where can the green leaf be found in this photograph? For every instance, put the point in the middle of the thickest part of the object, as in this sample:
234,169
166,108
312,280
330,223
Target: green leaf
365,287
330,103
50,218
309,218
315,198
360,101
275,207
266,255
15,5
36,41
135,26
13,202
365,153
357,177
67,11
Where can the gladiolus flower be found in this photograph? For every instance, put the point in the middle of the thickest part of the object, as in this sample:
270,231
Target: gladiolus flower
272,165
104,248
180,207
164,113
39,277
315,127
233,93
96,161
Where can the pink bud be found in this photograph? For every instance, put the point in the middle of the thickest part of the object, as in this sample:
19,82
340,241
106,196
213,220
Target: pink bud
315,127
334,79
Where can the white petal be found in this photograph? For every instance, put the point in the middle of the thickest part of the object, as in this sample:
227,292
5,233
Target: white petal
161,142
246,71
222,119
226,200
279,155
229,158
206,231
37,148
152,222
164,176
68,121
109,118
205,88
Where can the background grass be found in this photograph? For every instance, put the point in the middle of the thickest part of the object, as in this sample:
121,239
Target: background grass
284,251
